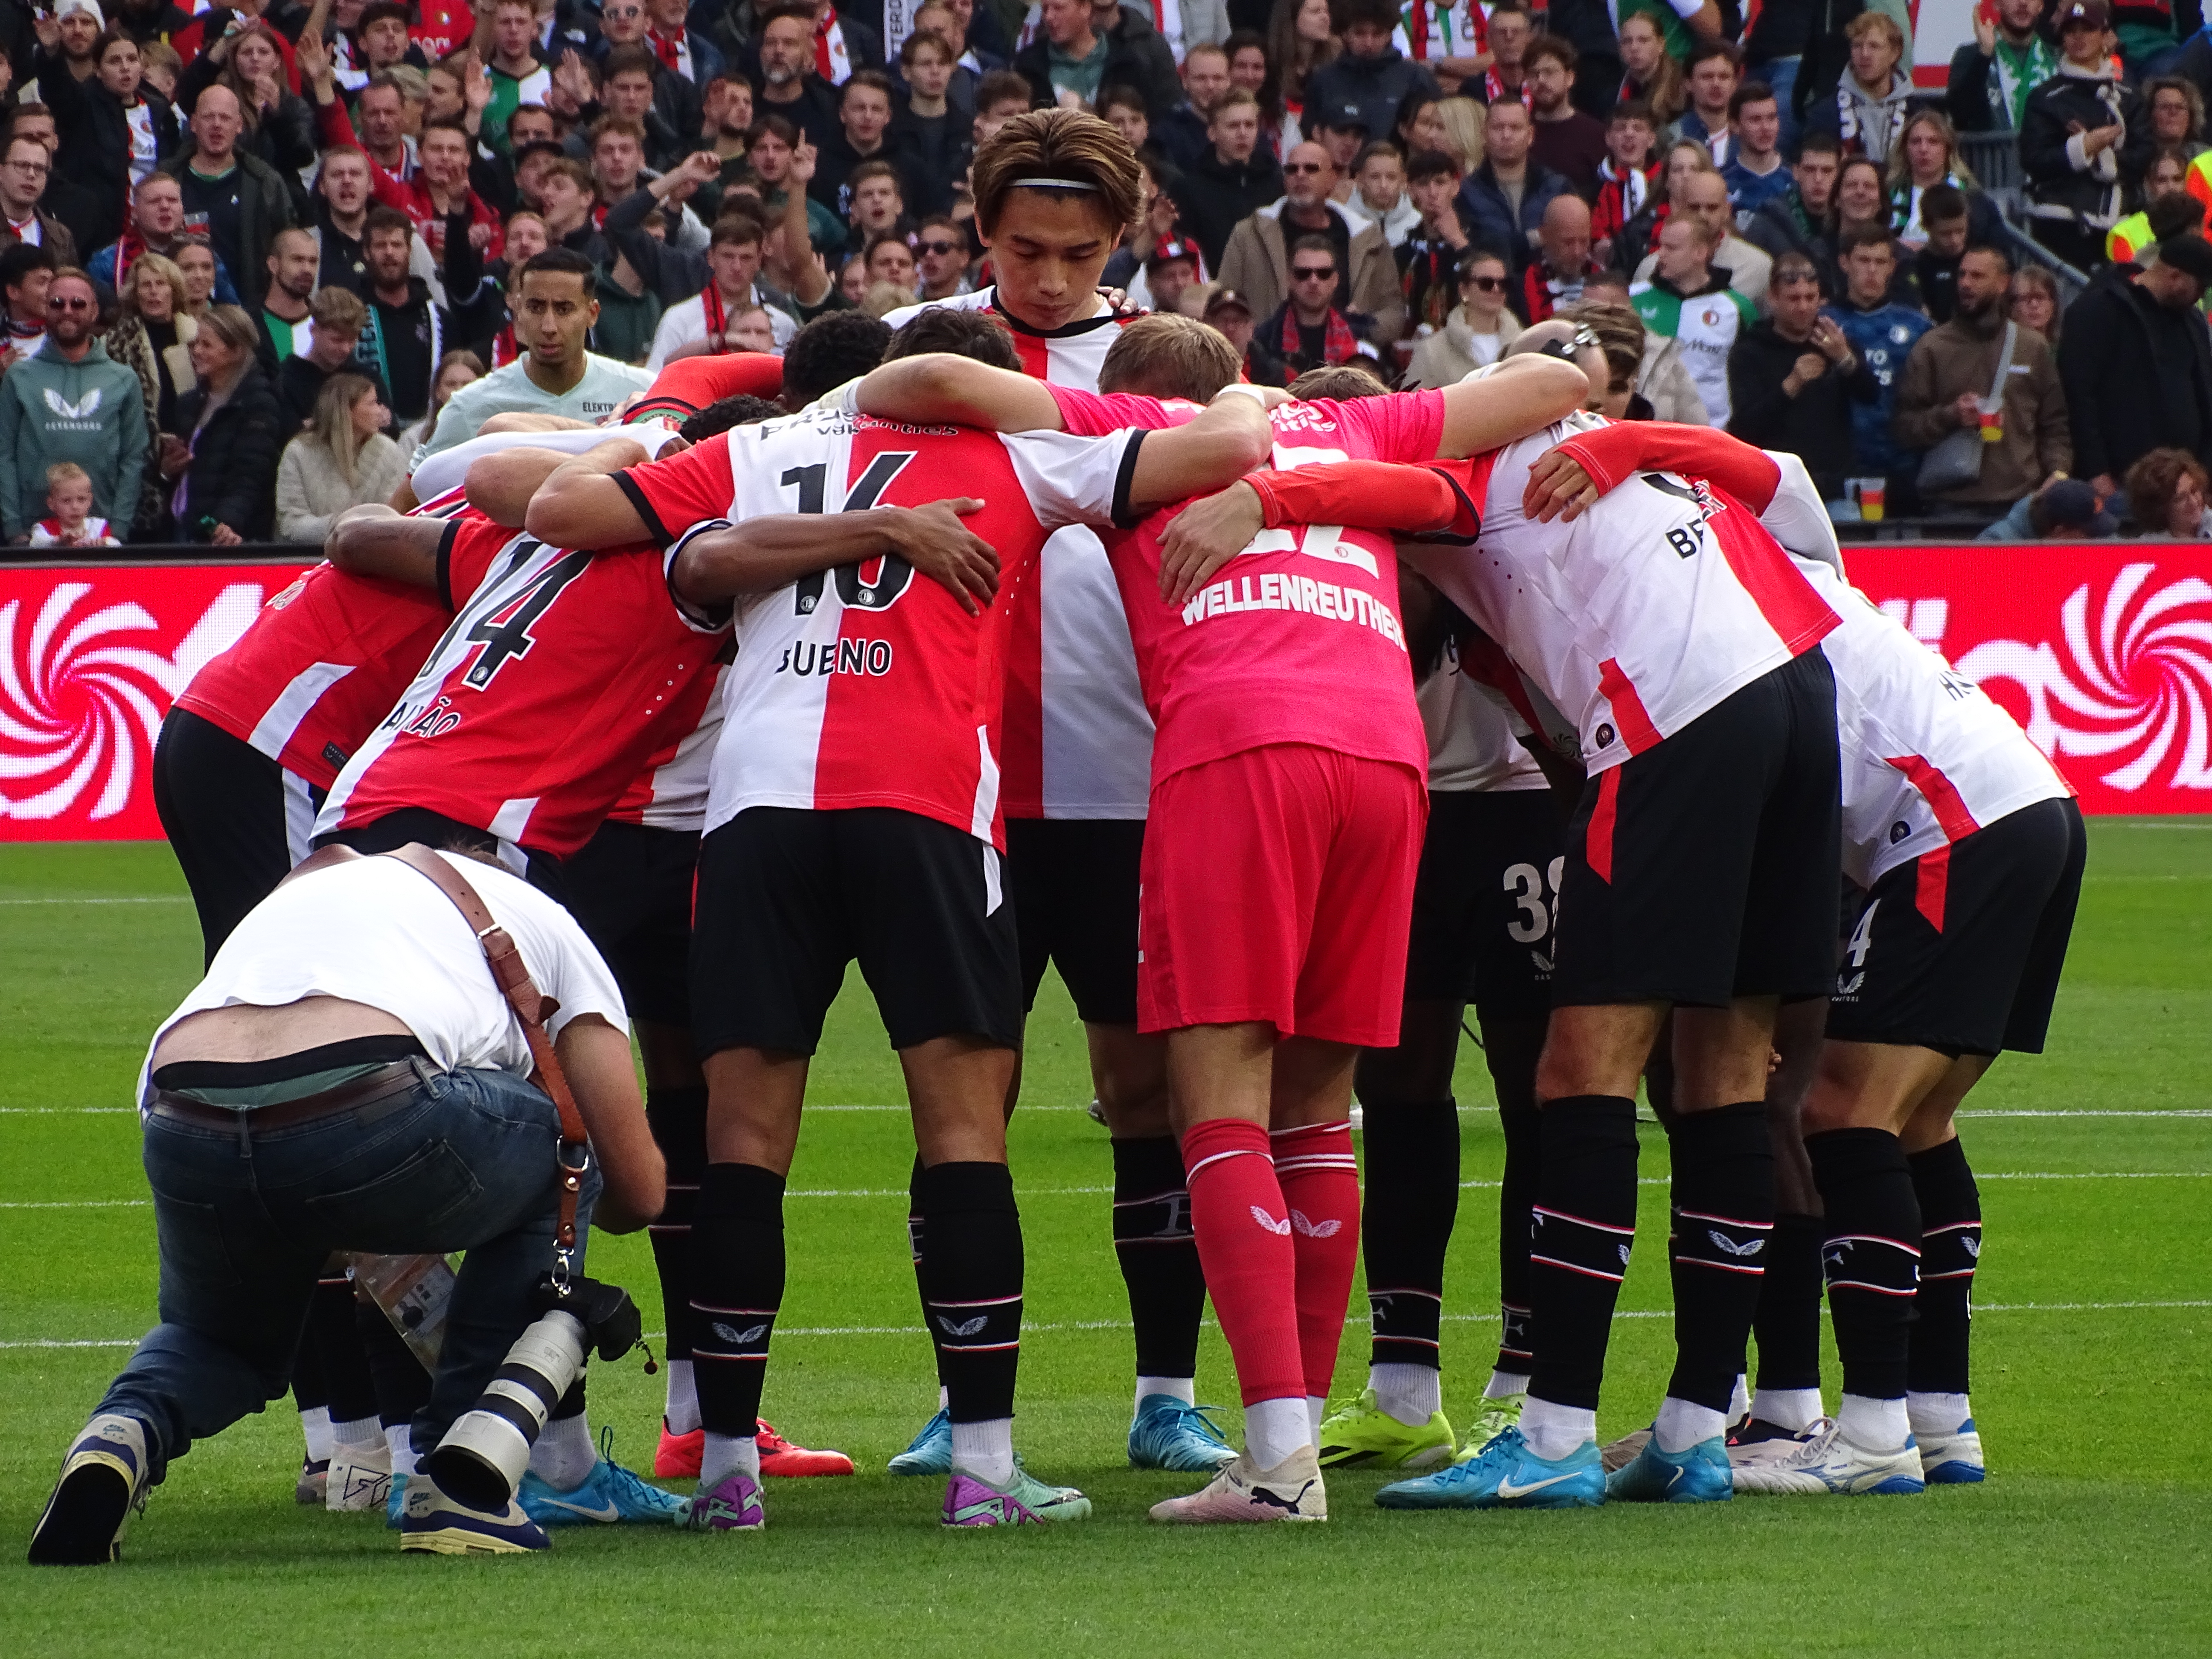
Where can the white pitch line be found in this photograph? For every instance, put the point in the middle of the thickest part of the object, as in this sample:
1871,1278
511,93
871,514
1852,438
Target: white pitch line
157,898
2147,1111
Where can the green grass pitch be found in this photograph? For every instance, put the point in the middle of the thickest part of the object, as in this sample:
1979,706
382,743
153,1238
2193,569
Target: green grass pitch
2092,1376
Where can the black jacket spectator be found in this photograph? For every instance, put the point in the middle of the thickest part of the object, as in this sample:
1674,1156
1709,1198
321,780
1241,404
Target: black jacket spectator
1376,87
932,151
95,143
2137,375
1136,56
264,207
1815,425
2072,205
1214,196
1936,278
233,477
1488,214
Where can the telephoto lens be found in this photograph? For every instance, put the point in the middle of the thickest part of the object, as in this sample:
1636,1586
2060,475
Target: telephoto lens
482,1457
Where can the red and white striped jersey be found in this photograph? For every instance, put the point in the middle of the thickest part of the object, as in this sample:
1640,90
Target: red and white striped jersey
1928,759
321,665
562,675
1661,600
1471,744
869,686
1078,740
671,793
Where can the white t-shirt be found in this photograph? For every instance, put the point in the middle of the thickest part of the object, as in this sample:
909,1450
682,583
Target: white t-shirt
504,390
1472,745
372,931
144,147
449,468
685,323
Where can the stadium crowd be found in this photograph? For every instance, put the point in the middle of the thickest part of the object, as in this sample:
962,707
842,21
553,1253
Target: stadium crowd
252,252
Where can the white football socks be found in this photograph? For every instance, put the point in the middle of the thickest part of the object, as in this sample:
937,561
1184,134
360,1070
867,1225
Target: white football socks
1276,1429
726,1454
362,1432
1937,1414
682,1410
1410,1393
1503,1385
315,1425
1877,1425
1554,1431
1794,1409
1738,1405
985,1450
399,1441
564,1454
1681,1425
1184,1388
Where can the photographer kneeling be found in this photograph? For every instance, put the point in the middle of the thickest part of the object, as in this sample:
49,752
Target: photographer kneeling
351,1076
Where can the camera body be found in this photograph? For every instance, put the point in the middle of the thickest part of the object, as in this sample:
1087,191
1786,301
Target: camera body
484,1455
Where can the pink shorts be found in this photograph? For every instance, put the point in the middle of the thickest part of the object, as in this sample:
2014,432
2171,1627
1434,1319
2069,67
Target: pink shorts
1278,886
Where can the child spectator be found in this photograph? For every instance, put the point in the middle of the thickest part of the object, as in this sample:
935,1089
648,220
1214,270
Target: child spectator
70,522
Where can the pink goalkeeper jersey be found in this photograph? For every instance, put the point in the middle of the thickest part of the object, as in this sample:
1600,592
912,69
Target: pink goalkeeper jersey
1299,640
1077,739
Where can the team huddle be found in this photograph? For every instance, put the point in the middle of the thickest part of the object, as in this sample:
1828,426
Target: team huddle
1285,727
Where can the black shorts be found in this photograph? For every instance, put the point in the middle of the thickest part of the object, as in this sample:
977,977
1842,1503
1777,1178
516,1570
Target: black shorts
787,897
1483,899
237,821
1704,868
1959,950
1073,882
630,888
434,829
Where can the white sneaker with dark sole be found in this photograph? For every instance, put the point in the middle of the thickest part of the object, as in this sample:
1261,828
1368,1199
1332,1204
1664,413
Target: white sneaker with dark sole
360,1477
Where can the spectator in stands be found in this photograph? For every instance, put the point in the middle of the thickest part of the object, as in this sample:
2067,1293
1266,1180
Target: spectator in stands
72,402
863,119
195,261
1428,258
152,337
24,170
1378,195
1307,330
1754,174
1563,264
224,473
1502,201
1653,74
279,126
339,316
930,139
407,329
1231,181
692,56
1948,227
1229,315
240,199
1794,380
2166,181
1134,43
1257,263
2032,303
1628,180
770,147
1990,79
1797,218
891,264
1301,39
343,459
1703,195
1069,61
1947,381
2167,497
943,259
1369,76
675,98
2176,109
2083,141
111,129
1179,130
26,268
1882,333
789,85
1508,75
1714,68
1169,270
1868,110
440,191
157,219
2137,364
1690,311
1568,141
455,370
1124,109
1475,333
2064,510
68,203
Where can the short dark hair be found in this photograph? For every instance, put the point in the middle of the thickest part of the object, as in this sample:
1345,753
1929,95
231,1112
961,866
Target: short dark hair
881,239
1751,92
737,229
560,262
1874,233
1383,14
1706,50
631,55
1002,87
1793,267
2174,215
1993,251
1315,242
1376,147
1126,97
1944,201
1634,109
876,169
773,126
384,217
976,334
1557,47
1342,382
738,409
21,259
873,80
1432,164
1820,144
835,347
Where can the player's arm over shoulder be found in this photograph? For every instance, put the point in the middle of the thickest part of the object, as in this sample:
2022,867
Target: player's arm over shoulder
375,541
937,386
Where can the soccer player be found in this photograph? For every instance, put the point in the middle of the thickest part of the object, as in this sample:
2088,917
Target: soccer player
1289,739
1078,745
854,812
1700,871
1970,849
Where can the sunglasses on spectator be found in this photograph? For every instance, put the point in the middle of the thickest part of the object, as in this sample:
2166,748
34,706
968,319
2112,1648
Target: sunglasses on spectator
1305,167
1485,284
56,302
939,247
1313,273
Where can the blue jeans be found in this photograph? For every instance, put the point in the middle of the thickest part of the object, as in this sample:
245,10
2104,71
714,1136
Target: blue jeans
462,1161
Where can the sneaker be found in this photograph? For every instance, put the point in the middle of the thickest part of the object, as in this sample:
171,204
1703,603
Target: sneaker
395,1504
1167,1434
971,1501
1761,1442
360,1477
1697,1474
433,1523
1291,1490
104,1479
677,1457
314,1481
610,1496
734,1505
1619,1453
1492,1417
1830,1463
930,1452
1097,1111
1506,1474
1361,1431
1952,1459
781,1460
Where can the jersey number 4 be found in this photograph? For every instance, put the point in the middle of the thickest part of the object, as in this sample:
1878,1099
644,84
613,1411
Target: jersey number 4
874,585
504,632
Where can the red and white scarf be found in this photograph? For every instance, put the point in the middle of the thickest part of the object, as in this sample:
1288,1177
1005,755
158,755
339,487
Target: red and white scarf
1494,91
1338,344
673,50
832,61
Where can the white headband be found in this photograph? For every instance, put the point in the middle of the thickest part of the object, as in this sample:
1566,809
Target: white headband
1052,183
